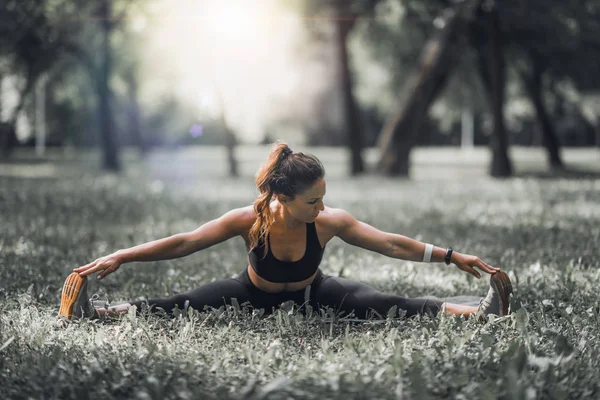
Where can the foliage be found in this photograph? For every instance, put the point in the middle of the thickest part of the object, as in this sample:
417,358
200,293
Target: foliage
544,232
563,34
28,36
392,37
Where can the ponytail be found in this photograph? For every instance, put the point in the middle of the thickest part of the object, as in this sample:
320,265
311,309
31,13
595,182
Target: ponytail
262,204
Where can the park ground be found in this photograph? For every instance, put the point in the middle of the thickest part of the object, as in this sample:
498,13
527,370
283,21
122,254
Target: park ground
542,227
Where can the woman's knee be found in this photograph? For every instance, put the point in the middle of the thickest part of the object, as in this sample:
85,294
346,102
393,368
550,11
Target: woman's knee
343,296
366,301
181,301
214,294
430,307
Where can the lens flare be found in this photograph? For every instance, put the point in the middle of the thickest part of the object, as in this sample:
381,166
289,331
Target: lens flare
196,130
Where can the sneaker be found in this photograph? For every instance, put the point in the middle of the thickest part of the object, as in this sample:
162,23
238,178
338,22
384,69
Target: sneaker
497,300
74,303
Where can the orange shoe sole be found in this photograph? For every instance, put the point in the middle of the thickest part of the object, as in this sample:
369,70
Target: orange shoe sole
70,292
502,282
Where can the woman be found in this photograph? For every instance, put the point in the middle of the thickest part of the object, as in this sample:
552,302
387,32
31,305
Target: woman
286,231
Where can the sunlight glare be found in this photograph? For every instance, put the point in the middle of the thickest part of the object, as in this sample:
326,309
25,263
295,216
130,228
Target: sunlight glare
231,20
231,56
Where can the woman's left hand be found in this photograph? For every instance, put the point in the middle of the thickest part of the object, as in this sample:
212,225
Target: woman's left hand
468,263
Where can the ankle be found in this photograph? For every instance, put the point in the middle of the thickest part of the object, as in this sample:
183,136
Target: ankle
115,310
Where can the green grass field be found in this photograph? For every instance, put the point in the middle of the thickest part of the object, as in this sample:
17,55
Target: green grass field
545,232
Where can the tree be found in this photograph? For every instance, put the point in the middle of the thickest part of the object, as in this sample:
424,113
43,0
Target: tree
101,72
344,23
493,74
110,154
533,83
544,40
30,44
554,41
230,137
344,15
38,33
437,61
127,67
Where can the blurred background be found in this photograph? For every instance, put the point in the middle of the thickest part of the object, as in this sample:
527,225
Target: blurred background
379,86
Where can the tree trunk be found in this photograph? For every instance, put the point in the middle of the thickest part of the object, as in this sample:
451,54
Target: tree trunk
534,86
230,138
597,129
8,136
110,151
231,160
134,116
1,94
351,112
493,75
40,115
438,59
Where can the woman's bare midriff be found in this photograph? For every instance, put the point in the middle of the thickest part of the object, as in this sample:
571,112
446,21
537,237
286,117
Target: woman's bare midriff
274,287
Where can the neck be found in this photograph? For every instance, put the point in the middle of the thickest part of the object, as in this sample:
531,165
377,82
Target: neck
283,218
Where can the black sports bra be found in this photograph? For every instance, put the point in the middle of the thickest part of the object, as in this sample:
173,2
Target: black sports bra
274,270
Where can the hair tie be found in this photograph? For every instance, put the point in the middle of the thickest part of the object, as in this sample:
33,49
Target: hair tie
286,152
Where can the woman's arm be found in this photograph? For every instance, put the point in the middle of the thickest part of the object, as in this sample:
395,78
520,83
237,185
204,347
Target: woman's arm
182,244
363,235
229,225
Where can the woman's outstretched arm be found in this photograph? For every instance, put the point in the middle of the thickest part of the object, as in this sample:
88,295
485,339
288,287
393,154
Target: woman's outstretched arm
218,230
363,235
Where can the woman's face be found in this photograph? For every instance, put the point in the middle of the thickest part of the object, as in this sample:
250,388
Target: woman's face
307,204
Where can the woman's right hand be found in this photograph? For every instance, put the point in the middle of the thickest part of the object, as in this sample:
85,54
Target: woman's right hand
105,265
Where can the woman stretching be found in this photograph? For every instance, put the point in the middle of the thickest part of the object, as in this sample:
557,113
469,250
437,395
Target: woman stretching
286,231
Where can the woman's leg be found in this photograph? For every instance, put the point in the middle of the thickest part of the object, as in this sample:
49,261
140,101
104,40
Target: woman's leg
351,296
214,294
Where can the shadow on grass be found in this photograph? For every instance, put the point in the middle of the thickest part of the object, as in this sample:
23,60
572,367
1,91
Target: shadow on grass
564,173
24,160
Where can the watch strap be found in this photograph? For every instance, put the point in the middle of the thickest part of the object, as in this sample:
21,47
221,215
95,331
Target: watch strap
448,257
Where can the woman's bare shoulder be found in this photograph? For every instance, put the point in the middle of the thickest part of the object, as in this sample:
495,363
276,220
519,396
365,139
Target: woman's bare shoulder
239,220
333,217
245,215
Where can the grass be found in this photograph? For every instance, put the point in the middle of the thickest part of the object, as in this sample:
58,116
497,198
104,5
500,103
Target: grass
544,232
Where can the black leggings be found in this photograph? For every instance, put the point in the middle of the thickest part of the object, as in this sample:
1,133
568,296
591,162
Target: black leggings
342,295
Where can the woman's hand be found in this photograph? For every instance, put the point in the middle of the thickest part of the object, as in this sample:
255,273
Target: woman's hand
468,263
105,265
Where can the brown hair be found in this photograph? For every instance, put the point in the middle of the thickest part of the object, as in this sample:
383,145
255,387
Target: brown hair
284,172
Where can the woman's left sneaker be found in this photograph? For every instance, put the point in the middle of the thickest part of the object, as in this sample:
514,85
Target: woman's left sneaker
74,303
497,300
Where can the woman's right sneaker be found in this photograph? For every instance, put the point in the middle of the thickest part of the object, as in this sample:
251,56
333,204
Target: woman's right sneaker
497,300
74,302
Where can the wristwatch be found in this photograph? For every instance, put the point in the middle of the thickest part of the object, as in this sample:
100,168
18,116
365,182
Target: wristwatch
448,255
